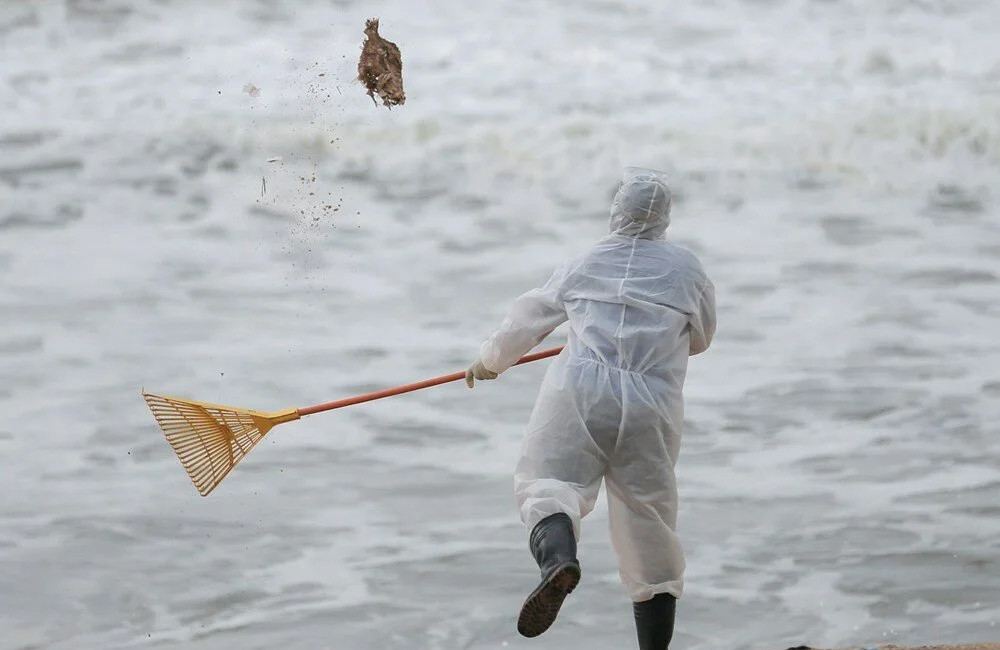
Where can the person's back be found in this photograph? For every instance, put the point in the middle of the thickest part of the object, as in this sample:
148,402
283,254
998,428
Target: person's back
610,407
630,302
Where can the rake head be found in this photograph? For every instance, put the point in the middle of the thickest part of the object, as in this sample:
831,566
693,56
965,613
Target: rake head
210,439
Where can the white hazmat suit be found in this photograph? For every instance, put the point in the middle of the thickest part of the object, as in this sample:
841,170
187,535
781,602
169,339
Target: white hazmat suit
610,406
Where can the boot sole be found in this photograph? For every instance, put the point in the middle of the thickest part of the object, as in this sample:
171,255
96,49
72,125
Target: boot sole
541,608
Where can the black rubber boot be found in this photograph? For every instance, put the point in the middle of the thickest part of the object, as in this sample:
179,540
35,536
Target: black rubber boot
654,621
554,546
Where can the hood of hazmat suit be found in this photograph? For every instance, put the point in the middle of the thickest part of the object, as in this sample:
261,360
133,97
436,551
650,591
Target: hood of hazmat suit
611,406
641,207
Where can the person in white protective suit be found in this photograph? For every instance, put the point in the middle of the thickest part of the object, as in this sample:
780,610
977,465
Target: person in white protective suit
610,406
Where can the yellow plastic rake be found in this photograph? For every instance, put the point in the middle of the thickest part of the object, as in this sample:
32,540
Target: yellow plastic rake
210,439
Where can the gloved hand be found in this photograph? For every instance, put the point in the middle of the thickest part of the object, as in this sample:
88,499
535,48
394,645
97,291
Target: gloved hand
478,371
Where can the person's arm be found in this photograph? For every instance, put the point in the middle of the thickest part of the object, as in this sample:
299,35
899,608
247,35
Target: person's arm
529,320
703,322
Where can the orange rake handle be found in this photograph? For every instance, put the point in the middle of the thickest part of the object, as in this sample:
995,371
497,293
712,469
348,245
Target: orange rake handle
408,388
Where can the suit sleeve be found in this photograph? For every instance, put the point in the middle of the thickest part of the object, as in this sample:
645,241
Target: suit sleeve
529,320
703,321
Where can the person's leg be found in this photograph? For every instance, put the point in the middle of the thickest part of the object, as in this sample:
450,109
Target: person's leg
553,544
560,467
641,522
556,482
556,486
654,621
642,516
650,559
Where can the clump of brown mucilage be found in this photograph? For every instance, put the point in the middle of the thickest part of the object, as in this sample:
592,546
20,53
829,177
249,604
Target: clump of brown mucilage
380,68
